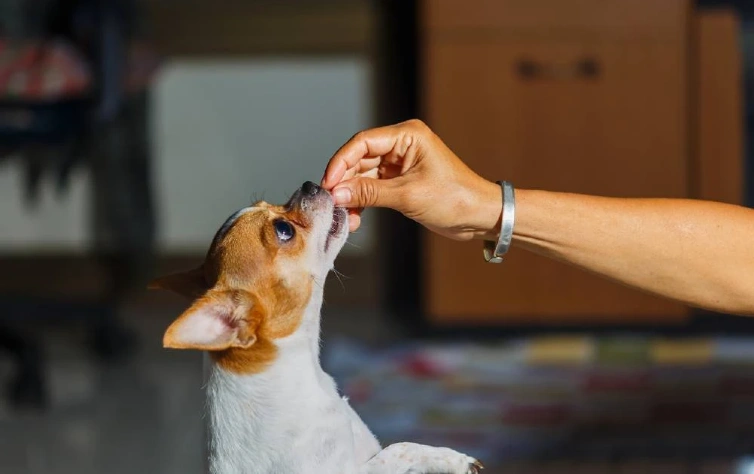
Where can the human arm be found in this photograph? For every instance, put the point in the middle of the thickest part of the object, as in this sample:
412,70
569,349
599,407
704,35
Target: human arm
697,252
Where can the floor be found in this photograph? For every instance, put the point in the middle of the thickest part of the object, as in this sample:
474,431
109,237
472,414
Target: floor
142,416
145,415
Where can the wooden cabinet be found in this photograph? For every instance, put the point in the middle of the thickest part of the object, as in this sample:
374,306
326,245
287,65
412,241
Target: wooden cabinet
718,123
589,96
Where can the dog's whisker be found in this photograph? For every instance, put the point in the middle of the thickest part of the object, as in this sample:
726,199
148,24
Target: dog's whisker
337,275
256,196
341,274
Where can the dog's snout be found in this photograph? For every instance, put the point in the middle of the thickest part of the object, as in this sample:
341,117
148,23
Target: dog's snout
310,189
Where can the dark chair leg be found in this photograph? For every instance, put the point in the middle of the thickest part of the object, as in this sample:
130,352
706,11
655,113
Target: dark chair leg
109,339
124,221
27,388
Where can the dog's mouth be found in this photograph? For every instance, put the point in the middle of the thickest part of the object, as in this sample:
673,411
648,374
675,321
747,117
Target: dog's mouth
339,215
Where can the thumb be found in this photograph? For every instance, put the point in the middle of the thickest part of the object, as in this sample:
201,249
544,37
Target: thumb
368,192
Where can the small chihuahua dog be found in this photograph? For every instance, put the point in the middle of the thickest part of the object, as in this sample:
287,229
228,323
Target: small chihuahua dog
256,312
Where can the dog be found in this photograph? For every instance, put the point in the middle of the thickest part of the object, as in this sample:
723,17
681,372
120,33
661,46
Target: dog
255,310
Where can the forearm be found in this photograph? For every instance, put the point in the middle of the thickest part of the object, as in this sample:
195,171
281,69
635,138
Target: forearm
700,253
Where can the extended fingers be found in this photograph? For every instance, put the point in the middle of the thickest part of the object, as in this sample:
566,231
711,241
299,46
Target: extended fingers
365,149
368,167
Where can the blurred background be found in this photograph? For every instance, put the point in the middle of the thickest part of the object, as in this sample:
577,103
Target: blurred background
130,130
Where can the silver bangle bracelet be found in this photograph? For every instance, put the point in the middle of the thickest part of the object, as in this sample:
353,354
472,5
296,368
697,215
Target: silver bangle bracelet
493,252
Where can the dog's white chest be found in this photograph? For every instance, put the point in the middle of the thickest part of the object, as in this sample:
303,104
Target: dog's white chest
269,423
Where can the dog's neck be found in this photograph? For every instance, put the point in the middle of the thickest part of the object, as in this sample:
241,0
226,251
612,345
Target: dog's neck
248,411
311,325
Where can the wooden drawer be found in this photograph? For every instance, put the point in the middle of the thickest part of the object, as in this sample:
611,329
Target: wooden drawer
631,18
620,132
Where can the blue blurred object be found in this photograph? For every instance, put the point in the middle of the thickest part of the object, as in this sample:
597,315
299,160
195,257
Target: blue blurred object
48,123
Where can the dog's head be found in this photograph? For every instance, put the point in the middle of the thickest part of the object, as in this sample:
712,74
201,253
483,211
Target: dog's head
259,275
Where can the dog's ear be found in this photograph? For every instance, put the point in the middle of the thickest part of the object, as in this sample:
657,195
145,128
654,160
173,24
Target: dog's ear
219,320
190,284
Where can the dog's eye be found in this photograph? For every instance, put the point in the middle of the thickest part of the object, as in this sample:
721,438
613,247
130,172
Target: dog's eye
284,230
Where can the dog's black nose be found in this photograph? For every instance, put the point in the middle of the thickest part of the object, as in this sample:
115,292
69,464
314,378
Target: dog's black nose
309,188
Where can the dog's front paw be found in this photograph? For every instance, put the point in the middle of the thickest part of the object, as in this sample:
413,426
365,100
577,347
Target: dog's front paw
411,458
453,462
458,463
476,466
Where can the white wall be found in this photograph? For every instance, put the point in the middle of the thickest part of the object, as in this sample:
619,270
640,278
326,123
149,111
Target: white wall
52,224
225,133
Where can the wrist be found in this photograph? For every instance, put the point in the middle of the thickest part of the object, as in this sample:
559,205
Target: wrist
490,211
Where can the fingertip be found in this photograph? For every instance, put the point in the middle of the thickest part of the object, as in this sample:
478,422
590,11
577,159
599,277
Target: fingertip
342,196
333,174
354,221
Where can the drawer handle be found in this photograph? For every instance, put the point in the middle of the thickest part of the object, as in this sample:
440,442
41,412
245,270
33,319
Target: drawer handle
587,68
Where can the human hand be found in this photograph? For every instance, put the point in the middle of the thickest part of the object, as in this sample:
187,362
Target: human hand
406,167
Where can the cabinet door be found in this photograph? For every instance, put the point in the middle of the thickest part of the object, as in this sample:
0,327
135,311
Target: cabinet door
600,116
719,116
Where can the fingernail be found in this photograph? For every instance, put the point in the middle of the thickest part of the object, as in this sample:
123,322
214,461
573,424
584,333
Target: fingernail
342,195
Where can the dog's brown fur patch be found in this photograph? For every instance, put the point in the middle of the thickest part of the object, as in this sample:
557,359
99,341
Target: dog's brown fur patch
251,269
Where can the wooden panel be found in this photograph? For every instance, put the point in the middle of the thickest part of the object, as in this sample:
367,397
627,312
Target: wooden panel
80,278
261,27
614,17
719,118
622,133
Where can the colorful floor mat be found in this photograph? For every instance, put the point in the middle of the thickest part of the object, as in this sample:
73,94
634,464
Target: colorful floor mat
557,397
